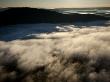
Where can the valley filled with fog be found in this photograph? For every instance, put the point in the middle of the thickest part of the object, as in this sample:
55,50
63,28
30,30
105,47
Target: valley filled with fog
44,52
54,45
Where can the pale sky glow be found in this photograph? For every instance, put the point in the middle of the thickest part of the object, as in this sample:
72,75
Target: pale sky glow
55,3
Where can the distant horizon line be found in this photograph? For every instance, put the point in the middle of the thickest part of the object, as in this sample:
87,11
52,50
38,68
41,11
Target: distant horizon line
51,8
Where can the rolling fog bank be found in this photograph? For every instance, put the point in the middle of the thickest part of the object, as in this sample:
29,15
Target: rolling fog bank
78,55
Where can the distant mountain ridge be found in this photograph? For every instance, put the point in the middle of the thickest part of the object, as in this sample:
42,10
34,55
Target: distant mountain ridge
25,15
87,8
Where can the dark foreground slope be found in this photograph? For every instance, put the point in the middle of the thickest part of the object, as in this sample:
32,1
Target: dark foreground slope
33,15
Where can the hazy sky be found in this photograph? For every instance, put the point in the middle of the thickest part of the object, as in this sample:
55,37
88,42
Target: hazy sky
55,3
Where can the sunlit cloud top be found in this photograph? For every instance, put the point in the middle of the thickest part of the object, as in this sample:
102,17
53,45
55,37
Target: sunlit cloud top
55,3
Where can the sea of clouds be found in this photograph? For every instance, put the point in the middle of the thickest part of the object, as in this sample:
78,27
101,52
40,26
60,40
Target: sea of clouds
70,55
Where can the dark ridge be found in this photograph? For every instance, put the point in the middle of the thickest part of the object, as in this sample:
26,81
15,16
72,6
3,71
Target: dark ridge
27,15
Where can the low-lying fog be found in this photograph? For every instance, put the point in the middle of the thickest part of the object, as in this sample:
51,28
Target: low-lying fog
65,53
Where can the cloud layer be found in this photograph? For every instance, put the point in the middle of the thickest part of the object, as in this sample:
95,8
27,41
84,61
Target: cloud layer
81,55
